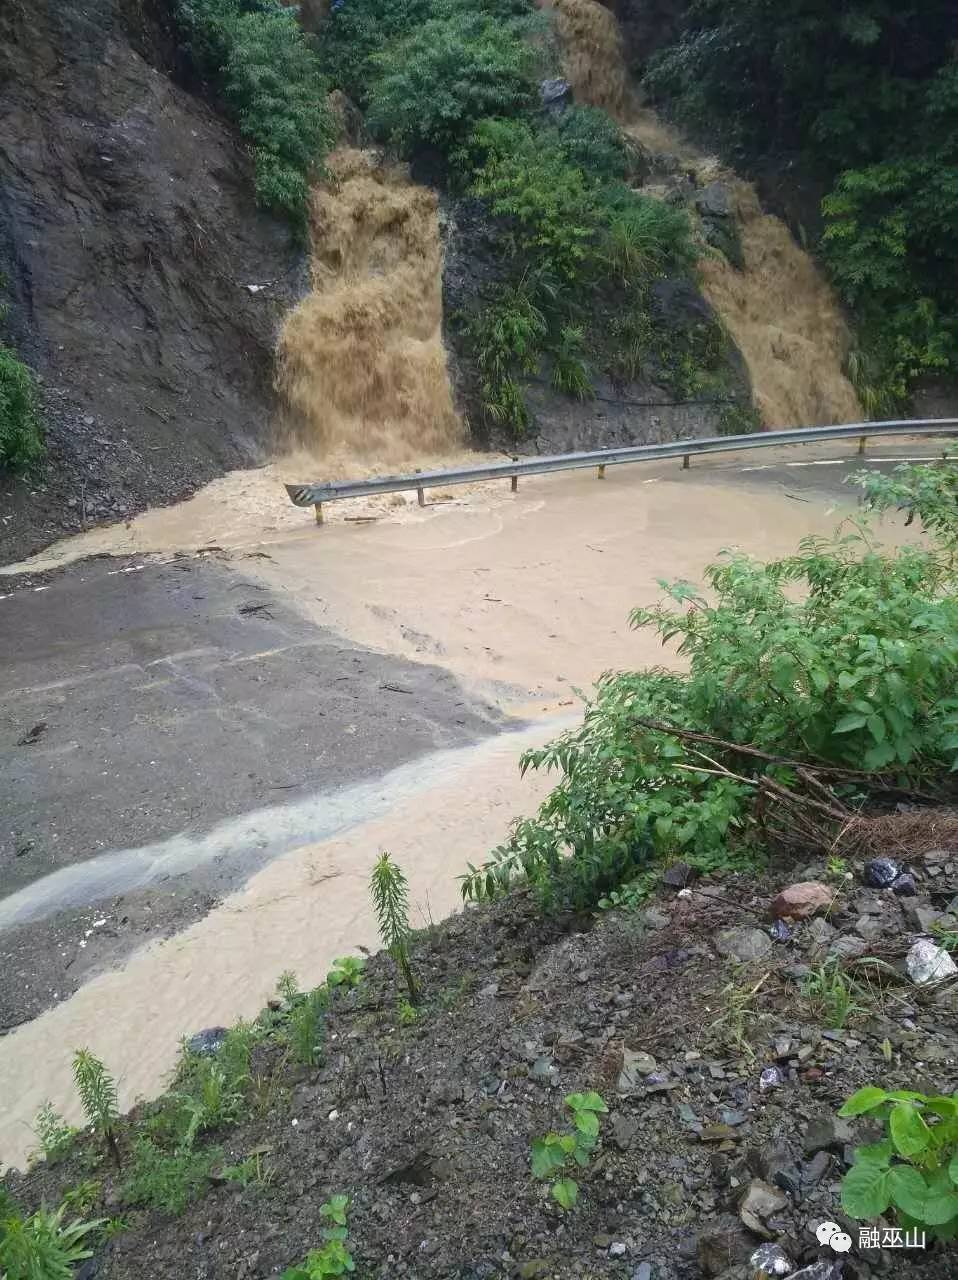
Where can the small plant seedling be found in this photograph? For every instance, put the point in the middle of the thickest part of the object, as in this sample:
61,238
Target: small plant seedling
252,1169
97,1090
347,971
408,1014
828,990
837,870
914,1170
53,1133
287,986
334,1258
306,1029
81,1198
946,938
390,894
552,1154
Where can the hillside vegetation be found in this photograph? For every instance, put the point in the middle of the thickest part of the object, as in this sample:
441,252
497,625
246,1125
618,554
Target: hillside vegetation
865,93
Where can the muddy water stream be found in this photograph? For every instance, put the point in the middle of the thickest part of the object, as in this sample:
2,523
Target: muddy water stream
779,309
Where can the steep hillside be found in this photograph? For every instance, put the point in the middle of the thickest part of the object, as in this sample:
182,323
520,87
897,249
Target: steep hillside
130,242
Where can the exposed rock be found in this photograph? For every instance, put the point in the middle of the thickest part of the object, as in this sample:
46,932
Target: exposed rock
721,1245
555,94
678,875
760,1202
799,901
770,1078
743,943
624,1129
921,917
848,948
206,1043
905,885
928,963
827,1133
770,1260
821,932
880,873
823,1270
715,200
635,1065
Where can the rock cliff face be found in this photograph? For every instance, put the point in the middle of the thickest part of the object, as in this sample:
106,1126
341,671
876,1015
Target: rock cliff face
143,284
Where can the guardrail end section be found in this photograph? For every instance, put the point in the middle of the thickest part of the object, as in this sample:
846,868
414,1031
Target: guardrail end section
298,495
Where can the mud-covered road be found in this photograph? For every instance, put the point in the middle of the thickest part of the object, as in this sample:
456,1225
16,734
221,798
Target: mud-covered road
210,729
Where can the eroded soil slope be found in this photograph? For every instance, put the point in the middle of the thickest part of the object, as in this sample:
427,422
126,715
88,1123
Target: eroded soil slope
129,238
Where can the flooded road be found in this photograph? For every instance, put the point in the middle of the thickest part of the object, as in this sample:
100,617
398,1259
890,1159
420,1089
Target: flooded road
211,787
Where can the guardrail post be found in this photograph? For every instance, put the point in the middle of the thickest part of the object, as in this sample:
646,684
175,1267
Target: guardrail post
421,497
861,444
686,462
600,474
514,480
319,512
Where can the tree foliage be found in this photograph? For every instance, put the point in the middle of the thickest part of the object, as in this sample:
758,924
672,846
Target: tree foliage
21,435
867,93
271,80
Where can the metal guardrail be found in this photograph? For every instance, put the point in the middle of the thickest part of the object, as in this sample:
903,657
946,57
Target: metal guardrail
314,495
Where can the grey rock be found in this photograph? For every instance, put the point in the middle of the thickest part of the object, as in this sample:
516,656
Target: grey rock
624,1129
780,931
545,1071
921,917
880,873
770,1260
743,943
715,200
827,1133
721,1245
821,932
533,1268
869,927
771,1078
816,1169
927,963
555,93
643,1271
654,918
678,875
848,948
206,1043
905,885
635,1066
760,1202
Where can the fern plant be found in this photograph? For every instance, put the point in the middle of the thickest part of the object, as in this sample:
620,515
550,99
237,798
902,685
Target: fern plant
97,1090
390,893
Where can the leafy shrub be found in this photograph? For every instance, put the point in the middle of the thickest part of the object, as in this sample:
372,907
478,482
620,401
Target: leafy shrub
552,1154
838,655
929,493
347,971
168,1181
432,87
21,437
570,374
591,139
914,1170
271,81
643,237
42,1247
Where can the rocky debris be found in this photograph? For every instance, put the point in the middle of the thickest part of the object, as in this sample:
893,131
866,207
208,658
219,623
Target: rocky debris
880,873
770,1260
827,1132
761,1202
904,885
721,1245
678,875
928,963
823,1270
635,1067
743,943
800,901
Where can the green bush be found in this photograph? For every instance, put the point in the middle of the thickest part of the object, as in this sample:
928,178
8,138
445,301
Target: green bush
271,80
839,655
160,1180
914,1170
21,436
643,237
432,87
592,140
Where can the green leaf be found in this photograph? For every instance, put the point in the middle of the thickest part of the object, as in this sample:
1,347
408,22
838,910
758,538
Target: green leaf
953,1168
908,1189
866,1099
590,1101
587,1122
908,1130
565,1192
853,720
940,1210
547,1156
865,1191
878,1153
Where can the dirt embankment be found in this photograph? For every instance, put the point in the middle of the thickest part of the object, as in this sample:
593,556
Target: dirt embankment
130,243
